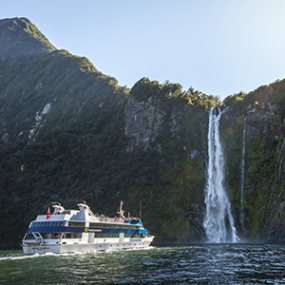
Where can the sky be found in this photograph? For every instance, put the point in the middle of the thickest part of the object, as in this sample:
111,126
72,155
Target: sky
219,47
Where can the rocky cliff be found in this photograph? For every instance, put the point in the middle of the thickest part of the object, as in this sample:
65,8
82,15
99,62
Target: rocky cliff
254,129
69,132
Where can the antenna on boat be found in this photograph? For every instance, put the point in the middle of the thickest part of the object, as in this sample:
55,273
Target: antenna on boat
121,212
140,209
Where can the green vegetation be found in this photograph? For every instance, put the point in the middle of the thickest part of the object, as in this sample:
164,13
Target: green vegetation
19,37
63,138
262,113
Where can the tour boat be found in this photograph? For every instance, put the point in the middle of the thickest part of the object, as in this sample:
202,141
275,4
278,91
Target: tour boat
71,231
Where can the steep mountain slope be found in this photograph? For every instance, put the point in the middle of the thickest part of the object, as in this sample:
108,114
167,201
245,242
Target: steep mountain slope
69,132
19,37
256,123
63,130
60,121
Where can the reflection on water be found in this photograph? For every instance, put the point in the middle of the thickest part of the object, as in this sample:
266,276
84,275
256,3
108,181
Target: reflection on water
197,264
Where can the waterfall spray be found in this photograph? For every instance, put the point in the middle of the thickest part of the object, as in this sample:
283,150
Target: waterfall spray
218,207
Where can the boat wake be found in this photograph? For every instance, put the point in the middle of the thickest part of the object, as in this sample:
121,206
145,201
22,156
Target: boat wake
36,255
18,256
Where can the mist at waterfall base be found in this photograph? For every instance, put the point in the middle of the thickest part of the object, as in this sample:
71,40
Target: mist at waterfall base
198,264
218,216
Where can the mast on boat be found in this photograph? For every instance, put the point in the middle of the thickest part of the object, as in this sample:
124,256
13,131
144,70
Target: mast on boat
121,212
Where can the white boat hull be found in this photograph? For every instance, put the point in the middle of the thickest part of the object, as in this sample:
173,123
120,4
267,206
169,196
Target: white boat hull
71,231
100,245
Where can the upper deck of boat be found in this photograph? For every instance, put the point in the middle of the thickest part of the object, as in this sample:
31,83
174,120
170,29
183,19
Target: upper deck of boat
84,214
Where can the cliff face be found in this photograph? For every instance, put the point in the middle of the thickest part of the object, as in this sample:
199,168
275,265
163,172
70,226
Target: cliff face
254,129
171,127
69,132
143,120
252,135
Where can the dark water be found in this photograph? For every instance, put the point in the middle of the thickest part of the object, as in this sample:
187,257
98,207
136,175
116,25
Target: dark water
197,264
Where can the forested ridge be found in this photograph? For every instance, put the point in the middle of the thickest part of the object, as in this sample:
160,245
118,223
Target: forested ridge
71,133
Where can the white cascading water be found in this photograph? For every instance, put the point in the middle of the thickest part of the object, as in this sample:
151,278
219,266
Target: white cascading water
218,221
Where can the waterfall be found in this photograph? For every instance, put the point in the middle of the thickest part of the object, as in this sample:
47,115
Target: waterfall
280,170
242,177
218,221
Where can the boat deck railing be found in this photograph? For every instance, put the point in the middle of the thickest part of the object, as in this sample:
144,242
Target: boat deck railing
111,220
116,220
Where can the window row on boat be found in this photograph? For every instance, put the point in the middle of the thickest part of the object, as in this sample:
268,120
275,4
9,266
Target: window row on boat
101,225
114,226
82,224
116,235
48,224
79,235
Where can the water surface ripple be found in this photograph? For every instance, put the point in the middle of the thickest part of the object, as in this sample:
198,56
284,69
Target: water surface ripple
197,264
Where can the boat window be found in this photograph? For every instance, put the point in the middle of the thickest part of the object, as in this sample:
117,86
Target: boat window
67,235
78,235
72,235
56,235
51,235
29,236
123,226
49,224
106,235
138,235
76,224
